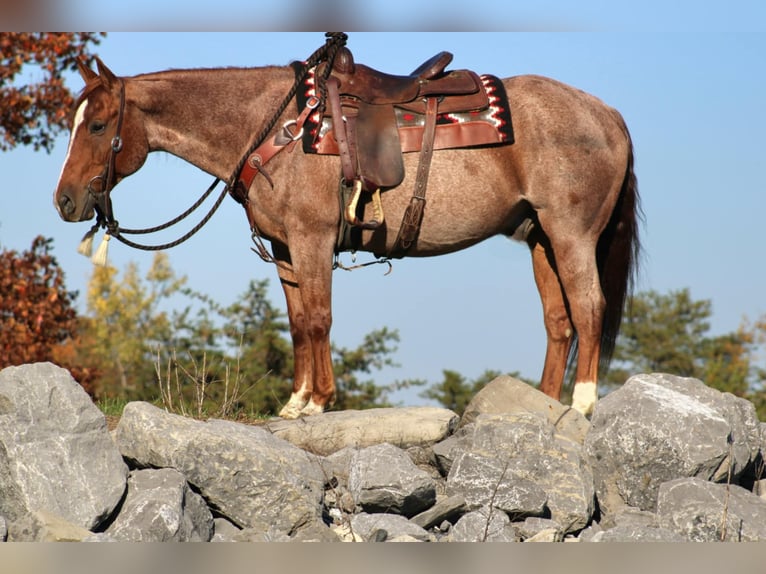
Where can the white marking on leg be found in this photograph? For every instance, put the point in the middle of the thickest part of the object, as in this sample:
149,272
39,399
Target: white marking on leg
584,397
312,409
293,408
79,116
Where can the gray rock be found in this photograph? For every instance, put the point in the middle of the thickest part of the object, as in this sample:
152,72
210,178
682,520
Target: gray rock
224,530
528,446
386,527
485,480
534,526
383,478
635,533
506,394
317,531
245,473
446,450
657,428
56,453
3,529
703,511
448,508
160,507
44,526
483,525
403,427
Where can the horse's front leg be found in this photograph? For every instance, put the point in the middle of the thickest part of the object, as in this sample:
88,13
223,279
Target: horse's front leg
303,378
307,284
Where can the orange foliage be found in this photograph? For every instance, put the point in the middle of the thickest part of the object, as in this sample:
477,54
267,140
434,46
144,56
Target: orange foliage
32,113
37,318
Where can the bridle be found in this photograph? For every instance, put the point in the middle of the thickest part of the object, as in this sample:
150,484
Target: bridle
107,178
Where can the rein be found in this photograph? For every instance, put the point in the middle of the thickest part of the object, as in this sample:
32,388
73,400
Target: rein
102,199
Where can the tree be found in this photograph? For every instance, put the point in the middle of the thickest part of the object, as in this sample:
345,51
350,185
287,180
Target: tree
454,392
33,113
670,333
374,353
126,324
36,311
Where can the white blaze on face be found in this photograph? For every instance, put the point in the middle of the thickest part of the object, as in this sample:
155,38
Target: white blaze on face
79,116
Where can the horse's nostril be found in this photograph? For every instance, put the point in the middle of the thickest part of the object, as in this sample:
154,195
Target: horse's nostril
66,205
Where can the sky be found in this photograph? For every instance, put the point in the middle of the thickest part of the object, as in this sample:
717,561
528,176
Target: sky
692,99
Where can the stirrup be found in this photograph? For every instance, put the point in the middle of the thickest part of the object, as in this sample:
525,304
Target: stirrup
350,212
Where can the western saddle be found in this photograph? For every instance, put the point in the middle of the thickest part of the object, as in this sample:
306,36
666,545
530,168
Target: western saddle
371,118
368,137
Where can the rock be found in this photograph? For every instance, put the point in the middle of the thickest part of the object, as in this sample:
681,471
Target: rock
448,508
446,450
56,454
224,530
330,432
539,530
160,507
483,525
702,511
633,533
44,526
387,527
485,480
656,428
383,478
506,394
245,473
527,447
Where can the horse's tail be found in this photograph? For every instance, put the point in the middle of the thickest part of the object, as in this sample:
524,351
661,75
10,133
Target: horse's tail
617,257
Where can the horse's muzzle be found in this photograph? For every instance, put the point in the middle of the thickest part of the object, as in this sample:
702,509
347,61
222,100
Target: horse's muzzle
67,208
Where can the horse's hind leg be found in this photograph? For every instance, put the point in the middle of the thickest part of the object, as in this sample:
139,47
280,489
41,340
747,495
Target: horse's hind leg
575,258
558,327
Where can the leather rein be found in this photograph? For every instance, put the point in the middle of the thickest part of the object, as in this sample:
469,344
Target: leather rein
252,162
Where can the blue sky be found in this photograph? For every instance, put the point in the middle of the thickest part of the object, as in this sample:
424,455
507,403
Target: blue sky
693,100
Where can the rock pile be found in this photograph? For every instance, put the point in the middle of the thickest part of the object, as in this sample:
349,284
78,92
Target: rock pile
663,459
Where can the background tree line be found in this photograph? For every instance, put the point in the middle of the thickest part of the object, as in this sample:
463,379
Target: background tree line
152,337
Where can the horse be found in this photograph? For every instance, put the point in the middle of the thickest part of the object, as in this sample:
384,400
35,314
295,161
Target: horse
566,187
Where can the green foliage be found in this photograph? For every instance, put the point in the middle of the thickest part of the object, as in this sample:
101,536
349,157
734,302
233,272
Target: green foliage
671,333
374,353
206,359
454,392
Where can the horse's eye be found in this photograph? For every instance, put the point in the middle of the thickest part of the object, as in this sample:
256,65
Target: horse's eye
96,127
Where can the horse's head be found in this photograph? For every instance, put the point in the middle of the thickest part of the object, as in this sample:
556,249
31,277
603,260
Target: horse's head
107,143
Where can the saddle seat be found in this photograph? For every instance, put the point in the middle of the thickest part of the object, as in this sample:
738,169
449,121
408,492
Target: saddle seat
375,87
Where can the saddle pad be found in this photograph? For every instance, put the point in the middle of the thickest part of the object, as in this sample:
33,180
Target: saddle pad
491,125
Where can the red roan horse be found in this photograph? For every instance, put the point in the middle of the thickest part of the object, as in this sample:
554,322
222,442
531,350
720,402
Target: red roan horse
567,181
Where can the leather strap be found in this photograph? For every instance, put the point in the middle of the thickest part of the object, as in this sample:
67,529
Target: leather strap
413,215
339,129
291,132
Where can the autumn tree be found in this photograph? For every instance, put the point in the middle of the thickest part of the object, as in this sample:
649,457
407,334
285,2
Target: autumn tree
125,323
37,313
32,110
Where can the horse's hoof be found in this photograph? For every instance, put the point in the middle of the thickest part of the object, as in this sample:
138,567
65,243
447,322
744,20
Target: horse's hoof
312,409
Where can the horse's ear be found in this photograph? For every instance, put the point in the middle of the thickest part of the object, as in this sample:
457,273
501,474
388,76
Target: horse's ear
107,76
86,73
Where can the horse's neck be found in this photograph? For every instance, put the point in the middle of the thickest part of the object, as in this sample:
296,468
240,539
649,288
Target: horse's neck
208,117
